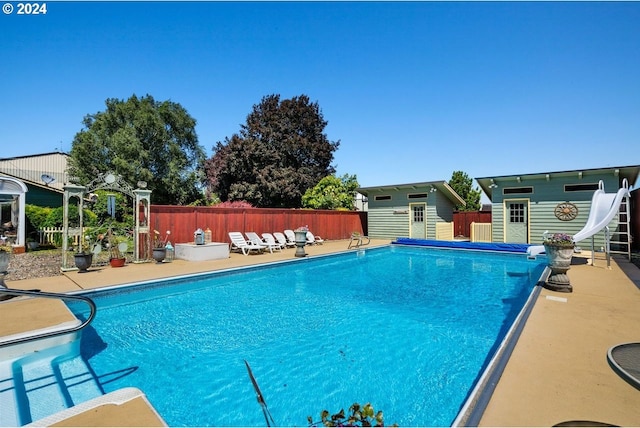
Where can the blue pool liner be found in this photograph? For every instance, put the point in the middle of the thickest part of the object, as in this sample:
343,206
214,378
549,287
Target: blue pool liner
464,245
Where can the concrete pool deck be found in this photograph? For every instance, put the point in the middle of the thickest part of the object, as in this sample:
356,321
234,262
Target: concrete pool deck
558,371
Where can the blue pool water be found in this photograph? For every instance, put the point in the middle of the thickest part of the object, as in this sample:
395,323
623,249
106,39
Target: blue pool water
408,329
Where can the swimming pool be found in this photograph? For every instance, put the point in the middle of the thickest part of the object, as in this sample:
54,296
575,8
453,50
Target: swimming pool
408,329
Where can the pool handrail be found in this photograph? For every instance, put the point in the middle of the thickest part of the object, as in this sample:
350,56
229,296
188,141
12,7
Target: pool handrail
47,295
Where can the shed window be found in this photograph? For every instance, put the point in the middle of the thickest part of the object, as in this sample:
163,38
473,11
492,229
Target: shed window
512,190
382,198
516,213
580,187
418,214
417,195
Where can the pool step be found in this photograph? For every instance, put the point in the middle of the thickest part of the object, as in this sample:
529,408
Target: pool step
37,386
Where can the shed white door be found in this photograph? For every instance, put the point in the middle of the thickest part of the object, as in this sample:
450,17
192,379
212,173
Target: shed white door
517,227
418,221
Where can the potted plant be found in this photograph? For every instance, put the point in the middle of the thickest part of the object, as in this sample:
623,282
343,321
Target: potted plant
559,250
90,244
32,243
359,416
301,240
159,250
117,248
5,255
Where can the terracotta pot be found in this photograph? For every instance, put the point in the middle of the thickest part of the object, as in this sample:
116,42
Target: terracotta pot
118,262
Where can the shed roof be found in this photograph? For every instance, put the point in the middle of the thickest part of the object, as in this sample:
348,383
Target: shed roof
441,186
628,172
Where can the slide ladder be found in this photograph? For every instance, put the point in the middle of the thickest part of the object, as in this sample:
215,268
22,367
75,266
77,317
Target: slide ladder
604,207
621,241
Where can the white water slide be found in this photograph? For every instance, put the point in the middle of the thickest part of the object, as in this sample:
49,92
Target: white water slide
604,207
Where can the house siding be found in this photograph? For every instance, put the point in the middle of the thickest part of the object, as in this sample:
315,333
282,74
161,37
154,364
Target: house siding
390,219
32,167
542,202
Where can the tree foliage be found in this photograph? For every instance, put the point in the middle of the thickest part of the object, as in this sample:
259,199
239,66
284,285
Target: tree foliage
332,193
462,184
278,154
141,140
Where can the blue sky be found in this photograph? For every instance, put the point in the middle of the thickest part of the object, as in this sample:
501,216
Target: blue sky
413,90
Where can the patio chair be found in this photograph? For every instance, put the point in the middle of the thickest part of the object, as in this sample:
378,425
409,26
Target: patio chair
357,240
239,242
272,242
283,240
291,236
313,239
257,240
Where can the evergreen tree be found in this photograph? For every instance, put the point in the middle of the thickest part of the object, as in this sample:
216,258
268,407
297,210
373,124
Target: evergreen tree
462,184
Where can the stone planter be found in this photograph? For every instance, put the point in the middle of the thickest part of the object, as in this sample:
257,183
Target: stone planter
83,261
301,241
4,265
159,254
4,261
559,263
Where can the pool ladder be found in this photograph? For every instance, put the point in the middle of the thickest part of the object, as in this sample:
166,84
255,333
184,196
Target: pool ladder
35,293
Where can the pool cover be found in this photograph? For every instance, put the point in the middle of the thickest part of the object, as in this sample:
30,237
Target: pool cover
485,246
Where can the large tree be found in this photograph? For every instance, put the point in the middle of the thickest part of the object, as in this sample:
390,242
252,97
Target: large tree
142,140
462,184
332,193
278,154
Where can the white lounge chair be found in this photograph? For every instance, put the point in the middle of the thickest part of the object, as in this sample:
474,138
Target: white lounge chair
239,242
291,236
272,242
283,240
312,239
257,240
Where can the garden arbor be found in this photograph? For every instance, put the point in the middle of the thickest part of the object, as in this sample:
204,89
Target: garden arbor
108,181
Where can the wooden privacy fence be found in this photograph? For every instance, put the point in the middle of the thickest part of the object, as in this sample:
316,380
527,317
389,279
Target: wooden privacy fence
462,221
183,221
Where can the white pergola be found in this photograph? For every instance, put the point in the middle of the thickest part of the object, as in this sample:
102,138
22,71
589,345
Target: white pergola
141,209
13,193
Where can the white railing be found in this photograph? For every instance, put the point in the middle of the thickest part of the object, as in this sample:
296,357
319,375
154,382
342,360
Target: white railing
481,232
52,235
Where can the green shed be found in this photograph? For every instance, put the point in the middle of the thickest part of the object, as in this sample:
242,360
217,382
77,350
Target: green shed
524,206
417,210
